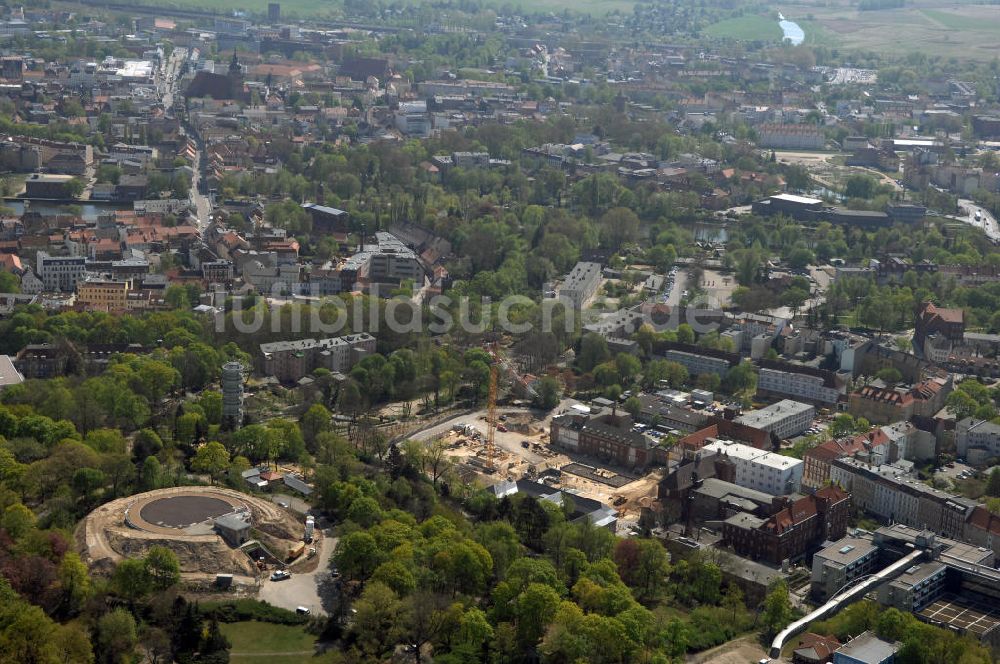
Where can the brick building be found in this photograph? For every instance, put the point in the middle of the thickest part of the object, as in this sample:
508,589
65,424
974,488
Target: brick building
794,531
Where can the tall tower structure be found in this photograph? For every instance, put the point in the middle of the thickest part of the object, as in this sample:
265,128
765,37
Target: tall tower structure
232,396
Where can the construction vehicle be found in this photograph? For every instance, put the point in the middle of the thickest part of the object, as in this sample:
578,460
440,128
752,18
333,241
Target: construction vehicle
310,526
295,551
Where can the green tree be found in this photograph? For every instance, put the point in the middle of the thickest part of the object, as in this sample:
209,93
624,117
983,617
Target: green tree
116,636
211,458
593,351
314,421
131,579
547,393
777,610
993,485
377,622
633,407
164,570
357,555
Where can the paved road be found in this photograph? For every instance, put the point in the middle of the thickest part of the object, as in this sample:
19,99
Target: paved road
287,501
302,589
986,223
680,283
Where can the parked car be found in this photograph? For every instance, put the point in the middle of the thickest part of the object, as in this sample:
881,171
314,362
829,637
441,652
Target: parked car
280,575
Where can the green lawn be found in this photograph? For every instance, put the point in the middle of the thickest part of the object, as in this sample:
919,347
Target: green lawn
250,640
959,22
747,28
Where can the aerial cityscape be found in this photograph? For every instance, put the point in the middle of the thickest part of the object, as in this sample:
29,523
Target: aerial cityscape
469,331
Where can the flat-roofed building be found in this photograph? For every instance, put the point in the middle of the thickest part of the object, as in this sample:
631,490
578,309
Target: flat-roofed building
102,294
580,284
977,441
845,560
784,419
761,470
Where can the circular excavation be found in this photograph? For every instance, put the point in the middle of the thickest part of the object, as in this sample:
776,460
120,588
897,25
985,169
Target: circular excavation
212,530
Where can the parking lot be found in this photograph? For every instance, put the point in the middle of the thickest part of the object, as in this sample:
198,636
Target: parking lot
955,471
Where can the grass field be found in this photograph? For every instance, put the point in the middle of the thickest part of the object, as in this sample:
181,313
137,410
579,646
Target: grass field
276,644
747,28
939,27
954,21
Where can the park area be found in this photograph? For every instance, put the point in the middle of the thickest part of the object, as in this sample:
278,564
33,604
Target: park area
254,641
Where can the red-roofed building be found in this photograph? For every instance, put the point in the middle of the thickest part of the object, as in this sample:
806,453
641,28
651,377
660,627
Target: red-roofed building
722,429
983,529
881,404
794,530
817,460
931,319
815,649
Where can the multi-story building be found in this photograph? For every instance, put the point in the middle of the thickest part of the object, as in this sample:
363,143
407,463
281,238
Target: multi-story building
790,136
698,360
607,437
889,494
60,273
977,441
41,361
803,383
388,261
289,361
48,185
792,532
915,588
877,446
580,284
759,469
784,419
217,271
880,403
950,323
837,565
102,294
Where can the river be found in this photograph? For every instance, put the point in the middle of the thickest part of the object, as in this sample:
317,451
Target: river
793,33
89,211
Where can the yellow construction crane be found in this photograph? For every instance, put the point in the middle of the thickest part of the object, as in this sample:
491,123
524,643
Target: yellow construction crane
491,421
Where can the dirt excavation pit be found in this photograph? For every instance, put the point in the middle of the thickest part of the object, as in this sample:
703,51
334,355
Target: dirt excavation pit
183,520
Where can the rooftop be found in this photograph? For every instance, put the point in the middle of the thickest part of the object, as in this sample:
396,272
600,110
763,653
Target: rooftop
868,648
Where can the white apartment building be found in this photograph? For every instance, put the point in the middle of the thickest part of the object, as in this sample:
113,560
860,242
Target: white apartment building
977,441
60,273
580,284
784,419
698,364
800,385
759,469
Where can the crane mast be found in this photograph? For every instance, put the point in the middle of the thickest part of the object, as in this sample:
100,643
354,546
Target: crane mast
491,421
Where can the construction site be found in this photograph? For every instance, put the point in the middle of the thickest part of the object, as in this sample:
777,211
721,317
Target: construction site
212,530
512,443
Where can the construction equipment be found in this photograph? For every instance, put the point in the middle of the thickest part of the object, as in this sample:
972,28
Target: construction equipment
491,421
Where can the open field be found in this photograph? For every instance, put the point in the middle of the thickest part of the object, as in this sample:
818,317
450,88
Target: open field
254,641
747,28
943,28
